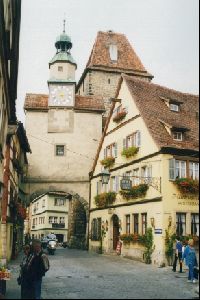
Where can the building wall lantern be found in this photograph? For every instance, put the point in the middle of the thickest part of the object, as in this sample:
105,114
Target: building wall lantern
153,222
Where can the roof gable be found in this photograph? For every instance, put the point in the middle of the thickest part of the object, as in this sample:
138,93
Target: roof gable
156,114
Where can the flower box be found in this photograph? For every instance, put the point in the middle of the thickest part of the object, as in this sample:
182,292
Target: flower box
131,238
187,185
108,162
130,152
135,192
119,116
5,274
105,199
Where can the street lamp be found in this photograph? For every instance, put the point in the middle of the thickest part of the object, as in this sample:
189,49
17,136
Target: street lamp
105,176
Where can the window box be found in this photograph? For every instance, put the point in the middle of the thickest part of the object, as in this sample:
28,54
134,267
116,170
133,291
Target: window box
135,192
132,238
105,199
187,185
119,116
130,152
108,162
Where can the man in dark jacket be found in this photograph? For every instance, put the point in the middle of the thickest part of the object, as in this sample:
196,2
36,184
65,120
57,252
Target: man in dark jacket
38,265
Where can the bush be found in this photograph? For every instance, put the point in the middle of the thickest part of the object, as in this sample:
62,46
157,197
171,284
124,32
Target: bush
108,162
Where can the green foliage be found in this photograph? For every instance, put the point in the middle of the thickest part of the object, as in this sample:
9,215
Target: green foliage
135,192
130,152
149,245
108,162
187,185
105,199
169,241
131,238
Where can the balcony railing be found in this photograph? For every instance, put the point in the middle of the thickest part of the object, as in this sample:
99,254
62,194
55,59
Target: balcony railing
58,225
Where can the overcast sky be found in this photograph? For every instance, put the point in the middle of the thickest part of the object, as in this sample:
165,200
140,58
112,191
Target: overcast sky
164,34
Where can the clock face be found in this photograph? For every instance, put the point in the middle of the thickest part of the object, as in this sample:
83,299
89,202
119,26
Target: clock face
62,95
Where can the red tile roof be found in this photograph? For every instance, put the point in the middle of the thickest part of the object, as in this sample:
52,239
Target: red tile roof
40,102
127,58
156,114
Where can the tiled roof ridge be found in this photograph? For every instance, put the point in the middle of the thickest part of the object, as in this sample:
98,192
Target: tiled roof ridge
134,79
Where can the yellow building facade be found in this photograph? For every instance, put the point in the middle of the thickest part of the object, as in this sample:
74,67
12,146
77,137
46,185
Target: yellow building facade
148,124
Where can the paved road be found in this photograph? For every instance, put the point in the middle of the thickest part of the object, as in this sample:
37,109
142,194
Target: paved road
78,274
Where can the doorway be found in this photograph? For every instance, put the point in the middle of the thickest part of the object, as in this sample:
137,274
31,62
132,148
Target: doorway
115,231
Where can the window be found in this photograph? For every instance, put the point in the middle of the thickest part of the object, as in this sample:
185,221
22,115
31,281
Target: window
133,140
60,150
109,81
62,220
53,220
136,223
195,224
136,178
59,202
144,223
174,107
128,224
194,170
60,69
43,203
114,184
177,136
180,169
146,173
181,224
113,52
111,151
99,187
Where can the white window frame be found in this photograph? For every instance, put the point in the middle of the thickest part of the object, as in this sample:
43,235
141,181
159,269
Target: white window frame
194,170
174,107
180,169
177,135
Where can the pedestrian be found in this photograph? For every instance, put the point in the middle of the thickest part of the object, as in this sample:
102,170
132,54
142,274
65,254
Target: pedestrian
191,260
23,279
178,255
37,266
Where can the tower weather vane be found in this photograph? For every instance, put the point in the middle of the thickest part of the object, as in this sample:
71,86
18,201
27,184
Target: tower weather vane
64,22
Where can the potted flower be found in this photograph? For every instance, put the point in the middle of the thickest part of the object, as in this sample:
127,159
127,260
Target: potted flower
187,185
105,199
119,116
108,162
135,192
130,152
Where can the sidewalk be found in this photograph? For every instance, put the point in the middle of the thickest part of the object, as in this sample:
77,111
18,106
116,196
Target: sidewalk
13,290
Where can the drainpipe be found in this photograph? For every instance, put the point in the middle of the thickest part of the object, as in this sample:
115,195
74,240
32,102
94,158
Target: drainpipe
6,178
88,229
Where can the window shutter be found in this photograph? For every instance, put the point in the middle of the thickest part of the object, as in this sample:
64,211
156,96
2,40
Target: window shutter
97,188
138,139
104,153
172,169
117,184
124,143
149,171
115,150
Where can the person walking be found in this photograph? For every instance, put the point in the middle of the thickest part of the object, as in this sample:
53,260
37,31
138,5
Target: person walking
37,266
23,280
191,260
178,255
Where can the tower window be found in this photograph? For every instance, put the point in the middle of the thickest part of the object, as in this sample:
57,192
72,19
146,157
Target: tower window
113,52
60,150
109,81
60,69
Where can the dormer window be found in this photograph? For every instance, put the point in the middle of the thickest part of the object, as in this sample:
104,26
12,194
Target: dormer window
113,52
177,135
174,107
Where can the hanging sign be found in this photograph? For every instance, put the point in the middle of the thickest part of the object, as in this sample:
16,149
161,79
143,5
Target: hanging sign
126,184
158,231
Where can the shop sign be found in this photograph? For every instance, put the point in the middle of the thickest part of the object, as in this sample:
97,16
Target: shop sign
158,231
126,184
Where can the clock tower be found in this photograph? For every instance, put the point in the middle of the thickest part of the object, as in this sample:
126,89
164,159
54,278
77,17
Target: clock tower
62,74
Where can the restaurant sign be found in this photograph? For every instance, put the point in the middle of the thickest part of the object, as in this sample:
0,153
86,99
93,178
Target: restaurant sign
126,184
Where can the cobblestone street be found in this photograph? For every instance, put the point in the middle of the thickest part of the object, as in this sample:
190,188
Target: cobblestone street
78,274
